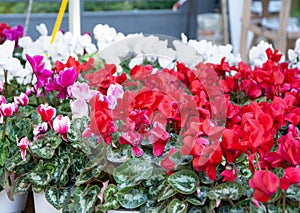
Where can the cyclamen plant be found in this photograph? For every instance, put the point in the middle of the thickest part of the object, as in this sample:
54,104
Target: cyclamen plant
217,137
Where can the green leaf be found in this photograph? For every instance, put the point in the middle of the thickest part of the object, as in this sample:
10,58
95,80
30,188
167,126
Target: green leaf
110,204
196,209
156,189
159,207
14,161
85,198
293,193
84,176
120,154
226,190
179,159
4,151
203,194
22,185
110,192
42,174
131,198
39,178
167,192
132,171
176,206
194,201
237,209
224,209
184,181
64,163
57,197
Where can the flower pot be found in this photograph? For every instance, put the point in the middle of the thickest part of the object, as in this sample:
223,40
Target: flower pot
16,206
42,205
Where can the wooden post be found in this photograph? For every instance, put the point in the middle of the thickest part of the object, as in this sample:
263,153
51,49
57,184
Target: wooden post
244,29
74,17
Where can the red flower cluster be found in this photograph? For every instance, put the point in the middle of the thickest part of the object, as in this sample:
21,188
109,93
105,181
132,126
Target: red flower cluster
254,112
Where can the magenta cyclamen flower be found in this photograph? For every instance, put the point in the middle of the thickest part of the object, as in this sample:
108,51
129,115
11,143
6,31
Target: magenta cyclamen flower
22,99
38,67
61,83
61,125
23,145
14,33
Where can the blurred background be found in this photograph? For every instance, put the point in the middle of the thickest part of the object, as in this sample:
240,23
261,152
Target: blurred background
215,20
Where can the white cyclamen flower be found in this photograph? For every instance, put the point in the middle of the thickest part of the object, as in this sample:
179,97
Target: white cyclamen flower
8,62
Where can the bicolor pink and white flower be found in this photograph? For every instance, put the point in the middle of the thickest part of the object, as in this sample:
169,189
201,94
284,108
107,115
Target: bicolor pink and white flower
40,129
7,110
22,99
46,112
61,124
2,99
23,145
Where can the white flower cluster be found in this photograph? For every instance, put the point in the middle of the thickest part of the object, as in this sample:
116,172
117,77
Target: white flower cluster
258,55
210,52
64,45
294,55
10,64
115,47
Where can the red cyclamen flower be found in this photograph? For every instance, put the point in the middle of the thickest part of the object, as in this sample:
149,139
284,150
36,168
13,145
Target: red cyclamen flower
291,176
265,183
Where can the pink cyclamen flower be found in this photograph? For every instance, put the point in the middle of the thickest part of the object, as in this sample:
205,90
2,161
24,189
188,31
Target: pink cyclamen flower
81,91
23,145
22,99
2,100
79,108
115,90
7,109
46,112
1,86
61,124
16,107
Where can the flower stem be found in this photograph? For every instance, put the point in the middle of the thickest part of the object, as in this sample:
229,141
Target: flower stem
230,201
5,83
4,129
266,206
4,92
31,153
257,161
283,202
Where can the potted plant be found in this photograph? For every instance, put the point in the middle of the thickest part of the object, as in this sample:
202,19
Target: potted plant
189,129
9,66
212,138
